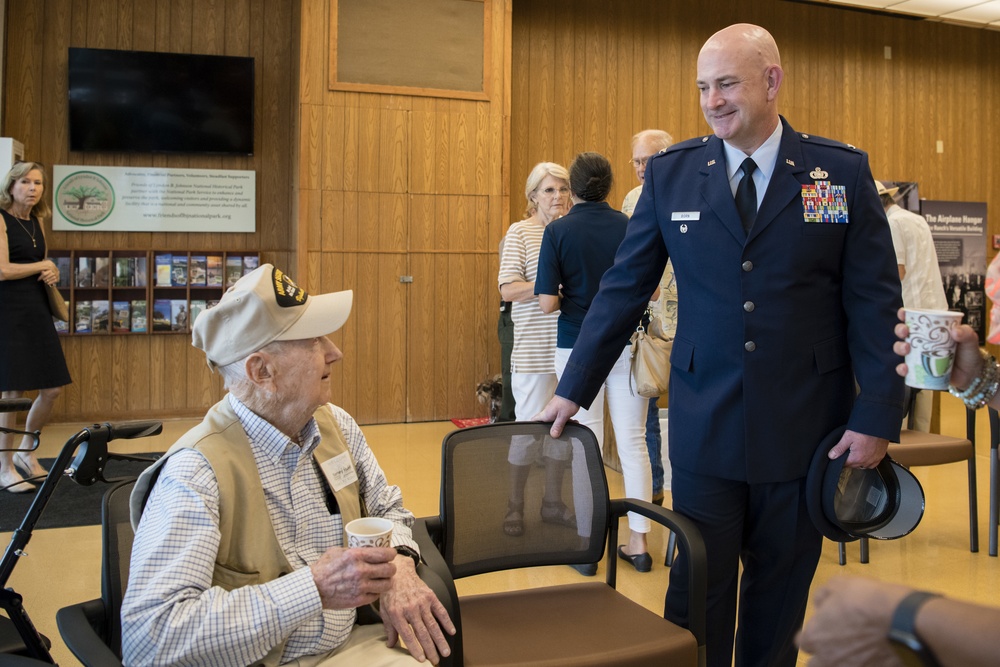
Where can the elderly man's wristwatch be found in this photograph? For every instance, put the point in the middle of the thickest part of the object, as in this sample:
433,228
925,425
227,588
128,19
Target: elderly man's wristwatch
410,553
903,634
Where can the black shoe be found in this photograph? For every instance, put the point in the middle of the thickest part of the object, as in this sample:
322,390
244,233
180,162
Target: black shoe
658,498
586,569
641,562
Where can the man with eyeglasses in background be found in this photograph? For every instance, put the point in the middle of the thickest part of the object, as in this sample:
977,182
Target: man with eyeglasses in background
663,303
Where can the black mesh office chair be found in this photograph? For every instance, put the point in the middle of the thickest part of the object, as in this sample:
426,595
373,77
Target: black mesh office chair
588,623
92,630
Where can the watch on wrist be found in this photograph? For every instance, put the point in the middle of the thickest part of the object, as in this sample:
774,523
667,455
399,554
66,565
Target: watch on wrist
409,553
903,638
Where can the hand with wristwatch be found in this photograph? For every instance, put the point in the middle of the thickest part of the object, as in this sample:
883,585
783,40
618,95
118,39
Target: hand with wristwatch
863,622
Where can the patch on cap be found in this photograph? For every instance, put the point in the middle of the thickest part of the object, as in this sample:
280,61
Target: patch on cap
286,293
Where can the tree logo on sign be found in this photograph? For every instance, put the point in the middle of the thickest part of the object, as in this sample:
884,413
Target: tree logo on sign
84,198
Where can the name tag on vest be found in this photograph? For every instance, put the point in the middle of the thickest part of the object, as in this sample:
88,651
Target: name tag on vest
339,471
685,215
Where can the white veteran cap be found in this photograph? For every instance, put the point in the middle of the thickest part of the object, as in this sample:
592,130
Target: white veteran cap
264,306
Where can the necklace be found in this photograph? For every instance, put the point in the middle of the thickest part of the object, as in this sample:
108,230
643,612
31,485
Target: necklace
34,243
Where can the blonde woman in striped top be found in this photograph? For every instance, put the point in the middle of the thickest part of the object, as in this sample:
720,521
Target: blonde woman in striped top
533,376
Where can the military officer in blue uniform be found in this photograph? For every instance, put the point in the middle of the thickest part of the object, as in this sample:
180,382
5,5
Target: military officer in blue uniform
787,293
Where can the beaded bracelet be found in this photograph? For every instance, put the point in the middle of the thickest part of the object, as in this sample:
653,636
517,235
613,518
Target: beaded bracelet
984,387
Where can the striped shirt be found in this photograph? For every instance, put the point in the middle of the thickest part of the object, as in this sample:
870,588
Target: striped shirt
172,615
534,331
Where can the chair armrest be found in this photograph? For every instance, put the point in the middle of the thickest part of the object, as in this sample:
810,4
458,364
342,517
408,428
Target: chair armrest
691,543
434,572
77,625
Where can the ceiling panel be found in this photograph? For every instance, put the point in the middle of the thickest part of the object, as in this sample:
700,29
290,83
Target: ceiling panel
972,13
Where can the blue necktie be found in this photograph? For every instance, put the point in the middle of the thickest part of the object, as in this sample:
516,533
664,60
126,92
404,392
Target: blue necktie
746,195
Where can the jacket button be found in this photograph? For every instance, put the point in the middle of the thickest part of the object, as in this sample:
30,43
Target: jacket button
748,265
749,346
748,306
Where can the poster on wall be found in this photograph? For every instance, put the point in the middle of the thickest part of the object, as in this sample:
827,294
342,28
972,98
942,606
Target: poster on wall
959,230
150,199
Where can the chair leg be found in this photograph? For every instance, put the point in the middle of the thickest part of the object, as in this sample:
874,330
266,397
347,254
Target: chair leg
973,507
671,549
842,548
994,499
864,549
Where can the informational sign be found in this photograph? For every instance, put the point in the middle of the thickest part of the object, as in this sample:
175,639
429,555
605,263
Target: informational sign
149,199
959,230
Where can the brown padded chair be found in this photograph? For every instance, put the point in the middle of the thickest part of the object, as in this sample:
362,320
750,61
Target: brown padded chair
917,448
583,624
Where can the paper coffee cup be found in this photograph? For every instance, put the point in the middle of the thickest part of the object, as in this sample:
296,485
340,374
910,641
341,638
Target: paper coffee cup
369,532
932,349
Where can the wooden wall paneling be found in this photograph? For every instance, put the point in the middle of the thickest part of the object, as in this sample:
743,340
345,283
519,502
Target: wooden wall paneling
334,148
425,361
422,221
459,171
423,151
519,123
389,224
310,137
55,42
208,27
199,380
368,149
313,27
69,400
331,222
274,166
177,348
366,316
120,378
393,139
237,27
22,93
466,359
351,222
390,375
555,87
181,29
331,268
352,150
310,213
136,383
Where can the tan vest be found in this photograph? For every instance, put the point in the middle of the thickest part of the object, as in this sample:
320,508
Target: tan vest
249,552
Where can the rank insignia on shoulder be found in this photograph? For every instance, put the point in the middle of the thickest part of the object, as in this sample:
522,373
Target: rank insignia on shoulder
818,174
824,202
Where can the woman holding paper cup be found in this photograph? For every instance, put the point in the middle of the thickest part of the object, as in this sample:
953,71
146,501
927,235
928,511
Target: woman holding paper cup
31,356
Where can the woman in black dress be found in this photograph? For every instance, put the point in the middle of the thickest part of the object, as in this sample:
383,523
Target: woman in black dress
31,356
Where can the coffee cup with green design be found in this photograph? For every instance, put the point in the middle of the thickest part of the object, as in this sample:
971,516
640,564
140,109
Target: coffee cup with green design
932,349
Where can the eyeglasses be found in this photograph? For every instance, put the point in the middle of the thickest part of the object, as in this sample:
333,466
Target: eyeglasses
552,192
640,162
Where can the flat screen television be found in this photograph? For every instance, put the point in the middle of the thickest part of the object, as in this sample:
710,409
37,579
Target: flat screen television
141,101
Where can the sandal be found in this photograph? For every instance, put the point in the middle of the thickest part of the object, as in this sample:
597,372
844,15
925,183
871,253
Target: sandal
29,465
513,523
555,511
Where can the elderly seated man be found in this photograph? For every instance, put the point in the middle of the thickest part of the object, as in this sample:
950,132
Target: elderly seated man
239,554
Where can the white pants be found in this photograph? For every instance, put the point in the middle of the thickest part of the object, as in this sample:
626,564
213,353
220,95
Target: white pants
628,417
532,391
